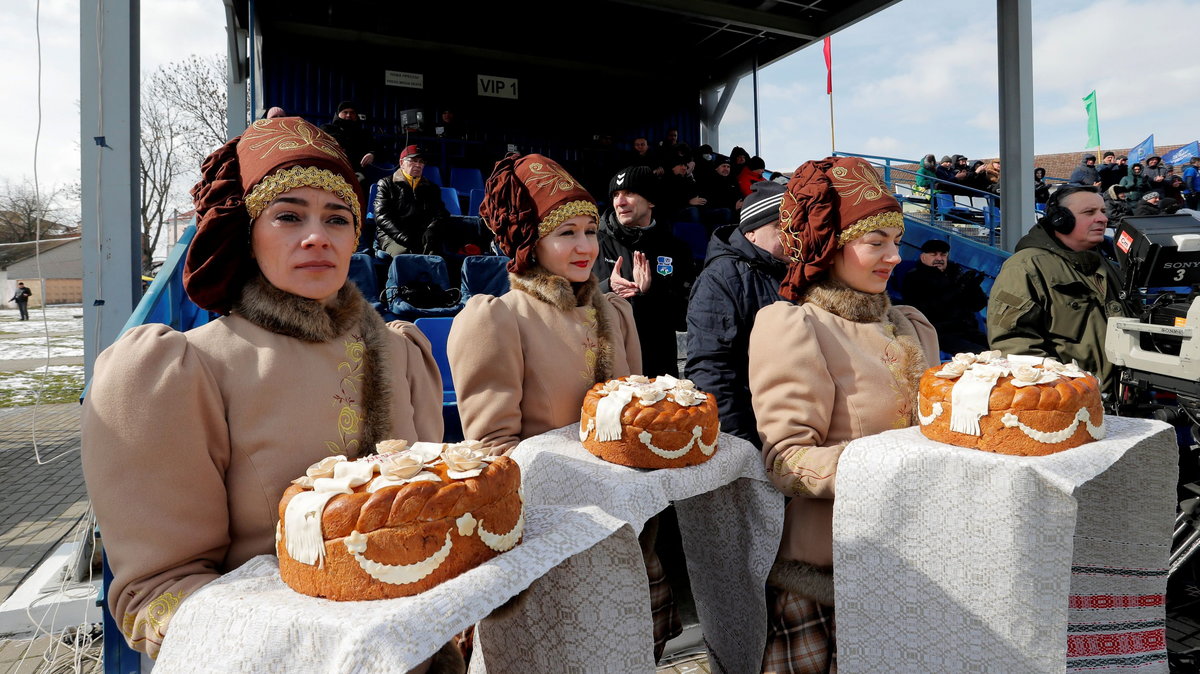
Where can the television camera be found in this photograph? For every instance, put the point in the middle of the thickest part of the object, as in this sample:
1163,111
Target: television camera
1157,350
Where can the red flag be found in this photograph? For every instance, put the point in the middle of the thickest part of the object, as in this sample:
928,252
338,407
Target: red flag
828,67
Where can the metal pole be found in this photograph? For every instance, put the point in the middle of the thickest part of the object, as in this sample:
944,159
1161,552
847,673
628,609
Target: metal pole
754,73
110,157
1014,43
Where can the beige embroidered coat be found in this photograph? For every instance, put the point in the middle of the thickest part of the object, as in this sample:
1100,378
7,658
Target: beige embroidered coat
523,361
840,366
189,439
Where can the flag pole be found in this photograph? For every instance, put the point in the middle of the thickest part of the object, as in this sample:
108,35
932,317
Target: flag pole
832,143
827,47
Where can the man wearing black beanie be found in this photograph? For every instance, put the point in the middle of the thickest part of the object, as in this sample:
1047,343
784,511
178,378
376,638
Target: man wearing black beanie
643,262
745,264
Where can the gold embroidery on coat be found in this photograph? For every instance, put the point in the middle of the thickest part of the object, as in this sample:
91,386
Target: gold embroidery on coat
789,465
152,626
590,344
893,359
348,399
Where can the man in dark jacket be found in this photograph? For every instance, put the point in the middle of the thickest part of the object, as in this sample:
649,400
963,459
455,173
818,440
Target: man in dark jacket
407,206
949,296
356,141
1085,175
643,262
745,265
1155,172
22,300
1109,171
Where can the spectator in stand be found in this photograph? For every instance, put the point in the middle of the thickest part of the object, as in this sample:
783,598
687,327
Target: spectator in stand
680,196
641,155
1169,206
977,176
739,157
642,261
1110,171
752,173
667,151
1041,190
1085,175
1155,172
742,272
1136,183
349,131
407,206
945,173
717,187
1173,188
448,127
1116,204
949,296
1191,183
991,169
926,172
1149,204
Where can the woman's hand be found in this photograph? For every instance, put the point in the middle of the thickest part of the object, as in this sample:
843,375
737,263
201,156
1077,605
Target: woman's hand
623,288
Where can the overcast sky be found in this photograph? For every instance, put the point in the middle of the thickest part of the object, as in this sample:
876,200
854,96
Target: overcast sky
918,77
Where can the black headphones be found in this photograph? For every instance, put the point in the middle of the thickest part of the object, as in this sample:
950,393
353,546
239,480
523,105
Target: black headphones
1059,218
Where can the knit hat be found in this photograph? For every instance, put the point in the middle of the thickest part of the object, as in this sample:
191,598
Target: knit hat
1150,195
346,104
935,246
945,159
637,179
525,199
238,181
828,204
761,206
719,159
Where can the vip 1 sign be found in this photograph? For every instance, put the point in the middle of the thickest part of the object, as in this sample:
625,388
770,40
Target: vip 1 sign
497,87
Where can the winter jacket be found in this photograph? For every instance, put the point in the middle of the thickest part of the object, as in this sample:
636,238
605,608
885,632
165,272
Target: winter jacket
1084,175
1110,174
720,191
1051,301
190,438
663,308
738,279
1137,186
1144,207
403,214
840,366
925,178
1153,172
1115,208
949,299
353,136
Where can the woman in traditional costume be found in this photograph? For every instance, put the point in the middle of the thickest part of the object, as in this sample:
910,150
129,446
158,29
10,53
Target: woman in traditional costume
190,438
833,363
524,361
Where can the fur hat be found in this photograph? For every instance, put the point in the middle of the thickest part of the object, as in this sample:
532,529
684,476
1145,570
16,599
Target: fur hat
761,206
829,203
238,181
637,179
525,199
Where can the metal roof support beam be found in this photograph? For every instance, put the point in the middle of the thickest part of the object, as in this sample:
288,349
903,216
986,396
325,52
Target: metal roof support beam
713,107
236,105
776,24
110,161
1014,41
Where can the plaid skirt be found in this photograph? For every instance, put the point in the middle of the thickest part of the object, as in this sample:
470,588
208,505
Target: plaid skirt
800,635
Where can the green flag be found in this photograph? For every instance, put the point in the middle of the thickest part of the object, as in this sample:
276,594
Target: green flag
1089,102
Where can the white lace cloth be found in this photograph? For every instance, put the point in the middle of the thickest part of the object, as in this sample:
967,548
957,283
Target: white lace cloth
955,560
249,621
730,519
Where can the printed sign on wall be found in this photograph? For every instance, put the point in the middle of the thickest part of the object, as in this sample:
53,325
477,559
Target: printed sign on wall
497,87
396,78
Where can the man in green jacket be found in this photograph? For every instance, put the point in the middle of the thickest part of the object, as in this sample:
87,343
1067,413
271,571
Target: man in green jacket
1054,296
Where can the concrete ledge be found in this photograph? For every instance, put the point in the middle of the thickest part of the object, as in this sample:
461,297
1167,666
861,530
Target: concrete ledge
45,599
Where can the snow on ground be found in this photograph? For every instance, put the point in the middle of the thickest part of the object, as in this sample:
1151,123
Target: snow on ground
61,333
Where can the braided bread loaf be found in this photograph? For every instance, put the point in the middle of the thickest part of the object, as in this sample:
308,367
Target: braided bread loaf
396,524
643,423
1034,406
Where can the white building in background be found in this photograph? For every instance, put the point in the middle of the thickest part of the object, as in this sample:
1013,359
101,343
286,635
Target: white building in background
52,269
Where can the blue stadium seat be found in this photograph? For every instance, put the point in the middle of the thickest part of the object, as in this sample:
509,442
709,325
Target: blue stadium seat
450,198
417,269
484,275
438,332
476,200
466,179
433,174
695,235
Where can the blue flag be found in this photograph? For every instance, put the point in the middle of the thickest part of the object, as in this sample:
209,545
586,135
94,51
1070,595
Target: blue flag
1183,154
1142,150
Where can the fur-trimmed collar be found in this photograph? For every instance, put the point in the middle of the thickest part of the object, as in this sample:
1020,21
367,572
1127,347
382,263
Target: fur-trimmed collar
565,296
308,320
841,300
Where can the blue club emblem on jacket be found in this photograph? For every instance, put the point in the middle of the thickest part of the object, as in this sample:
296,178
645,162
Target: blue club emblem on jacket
664,265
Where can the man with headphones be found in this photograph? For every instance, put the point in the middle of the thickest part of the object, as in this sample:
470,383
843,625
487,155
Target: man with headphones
1054,296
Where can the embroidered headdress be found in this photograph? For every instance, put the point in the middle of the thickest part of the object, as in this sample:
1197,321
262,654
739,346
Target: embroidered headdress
829,203
525,199
238,181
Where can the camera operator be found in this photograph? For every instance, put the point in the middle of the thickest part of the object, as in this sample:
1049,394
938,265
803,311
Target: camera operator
1054,296
949,296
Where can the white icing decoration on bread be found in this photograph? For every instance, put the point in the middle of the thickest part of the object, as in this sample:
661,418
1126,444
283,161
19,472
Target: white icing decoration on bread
1054,437
503,542
969,398
936,408
466,524
396,574
585,429
302,519
647,439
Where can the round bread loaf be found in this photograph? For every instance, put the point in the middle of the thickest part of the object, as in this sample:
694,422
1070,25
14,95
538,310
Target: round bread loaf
663,423
383,539
1033,407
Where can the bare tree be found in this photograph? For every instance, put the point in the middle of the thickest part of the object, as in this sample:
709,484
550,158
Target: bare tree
183,120
26,215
